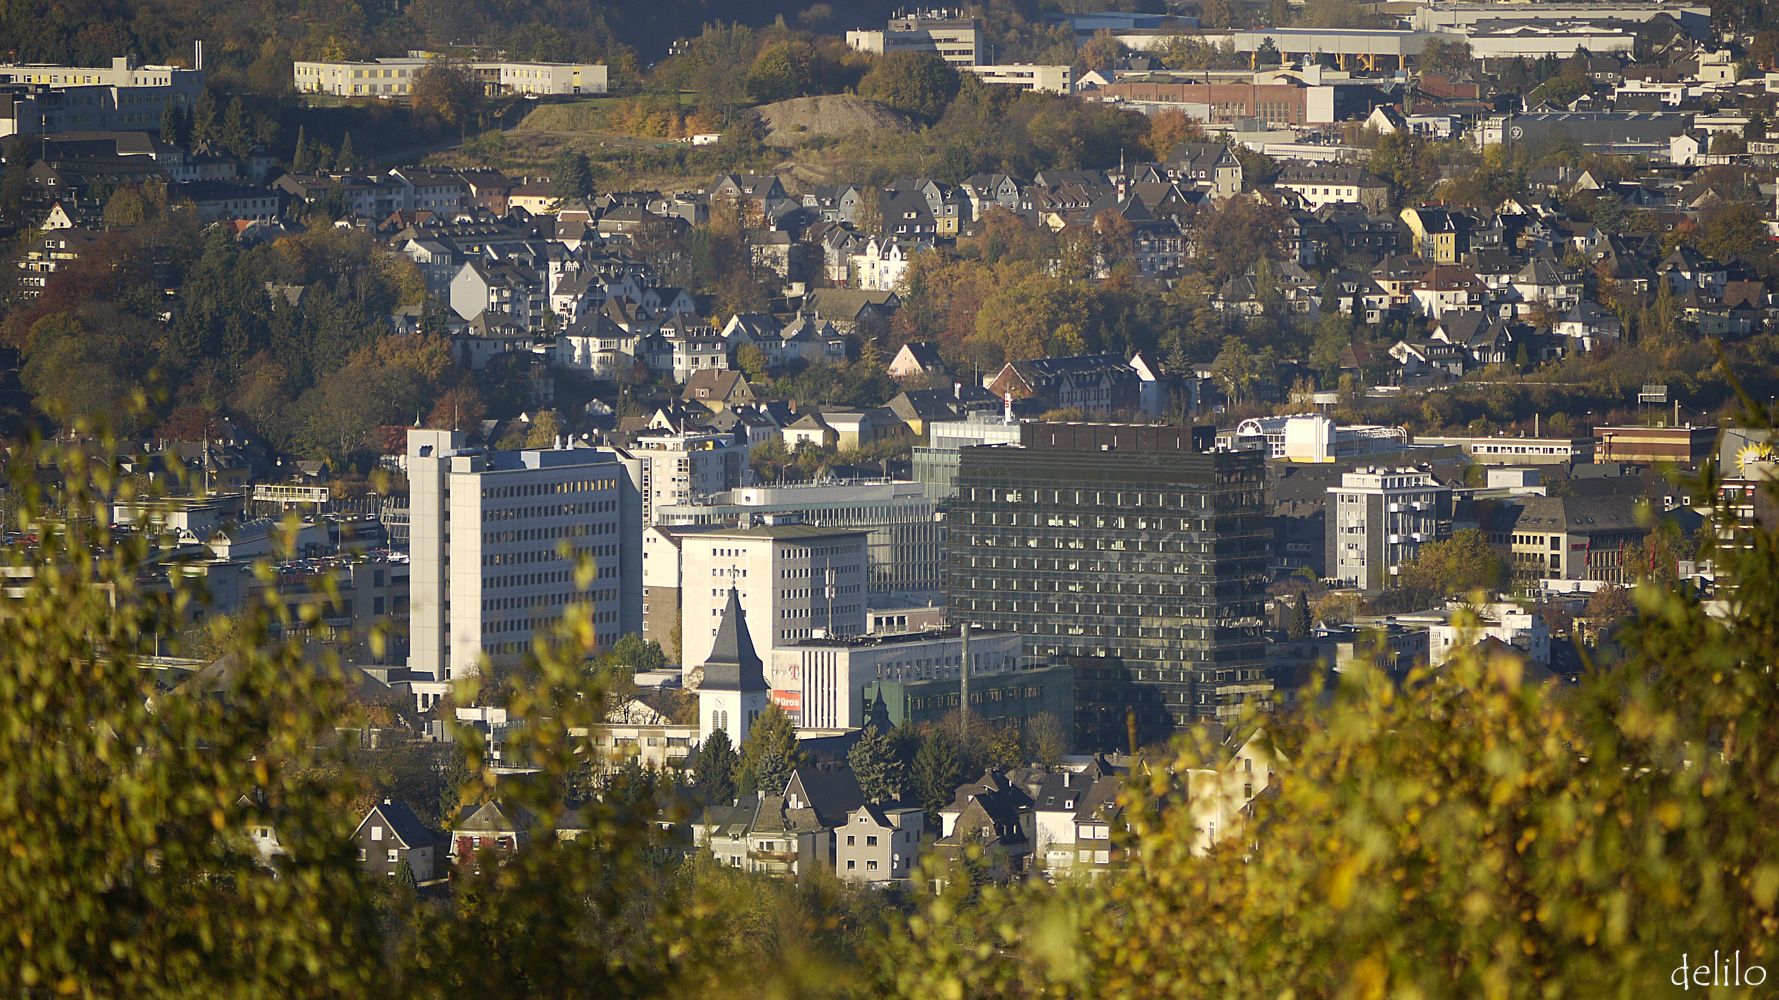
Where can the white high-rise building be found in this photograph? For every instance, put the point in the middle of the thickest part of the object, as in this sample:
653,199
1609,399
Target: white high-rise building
796,581
486,534
1378,519
906,536
677,466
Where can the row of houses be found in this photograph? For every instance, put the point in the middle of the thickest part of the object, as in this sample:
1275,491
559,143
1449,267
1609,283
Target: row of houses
1026,822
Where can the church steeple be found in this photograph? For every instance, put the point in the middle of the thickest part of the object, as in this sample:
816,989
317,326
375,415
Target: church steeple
734,692
733,665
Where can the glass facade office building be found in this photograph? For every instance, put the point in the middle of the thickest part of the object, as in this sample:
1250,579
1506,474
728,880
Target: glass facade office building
1135,554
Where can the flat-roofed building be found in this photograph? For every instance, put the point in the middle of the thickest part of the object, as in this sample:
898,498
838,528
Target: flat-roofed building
1029,76
794,581
1379,519
485,535
823,681
905,533
1500,450
1135,553
1681,446
945,33
39,99
395,77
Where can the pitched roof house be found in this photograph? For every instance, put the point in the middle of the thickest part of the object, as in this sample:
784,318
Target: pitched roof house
391,834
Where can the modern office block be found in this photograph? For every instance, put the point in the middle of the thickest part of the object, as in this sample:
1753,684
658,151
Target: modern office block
904,545
487,532
795,581
1134,554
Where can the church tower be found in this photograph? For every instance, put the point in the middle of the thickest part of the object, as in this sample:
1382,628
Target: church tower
734,691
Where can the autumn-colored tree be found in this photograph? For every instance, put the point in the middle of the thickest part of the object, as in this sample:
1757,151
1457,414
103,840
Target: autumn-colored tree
867,215
460,408
1102,51
1233,237
1456,567
449,93
1167,130
1407,161
919,83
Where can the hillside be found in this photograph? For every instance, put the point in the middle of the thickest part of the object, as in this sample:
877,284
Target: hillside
790,123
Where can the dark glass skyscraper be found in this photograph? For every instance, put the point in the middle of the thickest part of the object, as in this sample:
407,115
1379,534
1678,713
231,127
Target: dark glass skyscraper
1133,552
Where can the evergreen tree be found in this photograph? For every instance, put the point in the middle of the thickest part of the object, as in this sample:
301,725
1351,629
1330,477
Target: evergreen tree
771,771
452,779
770,752
1300,617
347,158
877,766
236,137
714,769
223,311
404,877
170,123
303,160
938,770
571,175
204,123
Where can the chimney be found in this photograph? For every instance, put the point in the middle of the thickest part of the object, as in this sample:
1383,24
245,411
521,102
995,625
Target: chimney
1007,408
957,390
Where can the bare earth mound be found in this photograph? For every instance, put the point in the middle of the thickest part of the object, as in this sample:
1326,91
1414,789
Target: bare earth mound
789,123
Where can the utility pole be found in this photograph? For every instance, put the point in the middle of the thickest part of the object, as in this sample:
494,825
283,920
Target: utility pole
963,715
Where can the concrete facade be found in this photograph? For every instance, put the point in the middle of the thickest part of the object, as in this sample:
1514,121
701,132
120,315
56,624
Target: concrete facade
485,589
783,573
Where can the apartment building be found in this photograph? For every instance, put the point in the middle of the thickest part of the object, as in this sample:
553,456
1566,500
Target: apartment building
1335,184
483,590
678,466
1379,519
1029,76
794,580
395,77
945,33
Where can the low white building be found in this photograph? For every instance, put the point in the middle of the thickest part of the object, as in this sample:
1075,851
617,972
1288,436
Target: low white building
395,77
1029,76
1315,437
822,681
1508,623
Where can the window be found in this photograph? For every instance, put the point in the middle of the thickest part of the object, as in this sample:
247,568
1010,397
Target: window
870,866
869,841
361,854
851,865
376,833
394,856
850,841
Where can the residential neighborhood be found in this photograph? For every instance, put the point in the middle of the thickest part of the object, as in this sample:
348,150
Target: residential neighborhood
824,500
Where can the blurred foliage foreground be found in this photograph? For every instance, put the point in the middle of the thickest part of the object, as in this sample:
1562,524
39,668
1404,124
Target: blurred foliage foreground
1463,836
